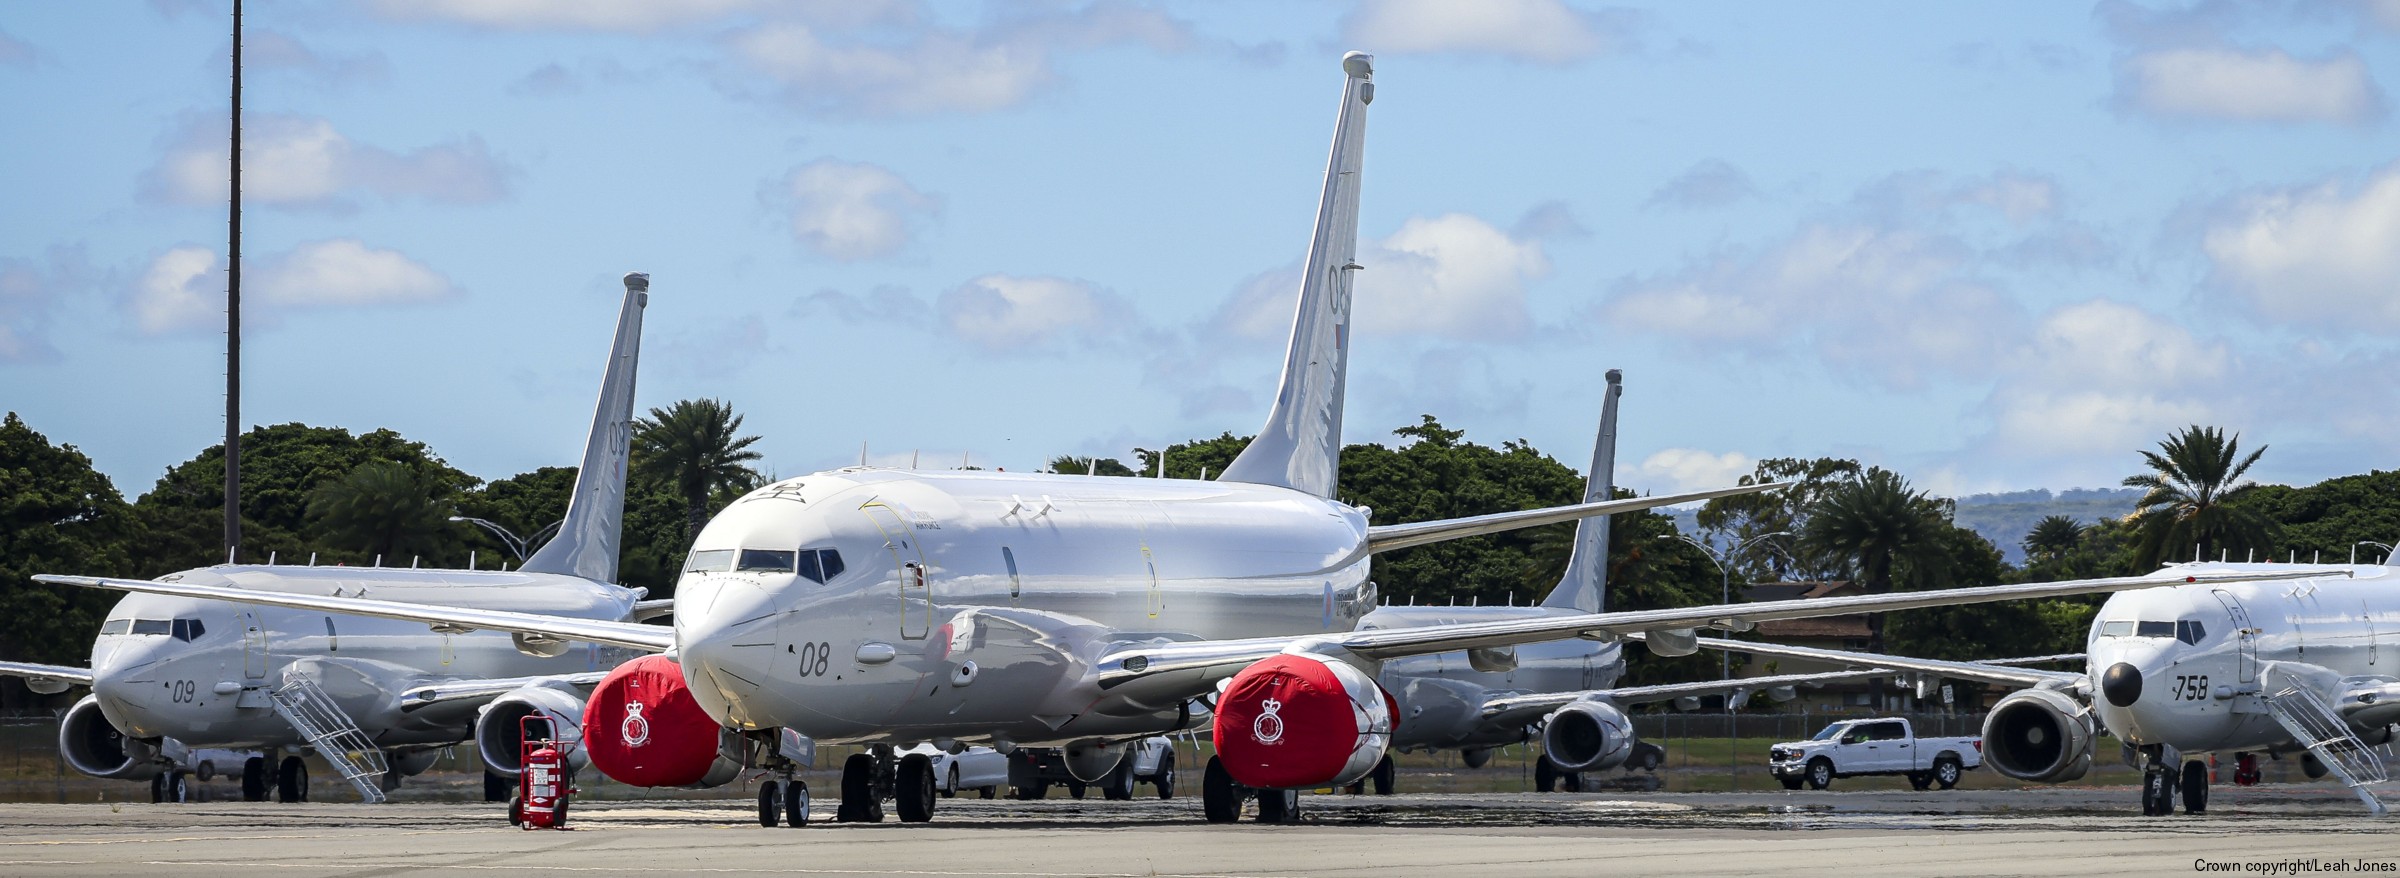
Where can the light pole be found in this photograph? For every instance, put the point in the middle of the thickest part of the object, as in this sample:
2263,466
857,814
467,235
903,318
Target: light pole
510,541
2387,550
1725,585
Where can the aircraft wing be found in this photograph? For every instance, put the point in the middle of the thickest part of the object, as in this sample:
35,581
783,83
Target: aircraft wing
1514,710
1384,538
1163,673
655,638
452,691
1999,672
46,679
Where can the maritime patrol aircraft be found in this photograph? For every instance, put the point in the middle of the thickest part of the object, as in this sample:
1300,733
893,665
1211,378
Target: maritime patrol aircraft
2294,660
171,671
889,607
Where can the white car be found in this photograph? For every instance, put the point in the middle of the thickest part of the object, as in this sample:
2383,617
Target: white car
1857,748
981,769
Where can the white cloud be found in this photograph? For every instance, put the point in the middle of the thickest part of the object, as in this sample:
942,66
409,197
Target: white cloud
1002,313
852,210
2320,255
1710,183
1892,304
2103,376
2232,85
638,16
344,272
298,161
1452,276
1678,470
936,73
1542,31
182,291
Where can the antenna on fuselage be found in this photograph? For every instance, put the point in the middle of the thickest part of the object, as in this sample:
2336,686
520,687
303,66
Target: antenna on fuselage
862,452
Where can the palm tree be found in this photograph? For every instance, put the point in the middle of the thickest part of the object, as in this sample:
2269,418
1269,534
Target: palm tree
1870,521
2194,500
692,448
2052,538
382,507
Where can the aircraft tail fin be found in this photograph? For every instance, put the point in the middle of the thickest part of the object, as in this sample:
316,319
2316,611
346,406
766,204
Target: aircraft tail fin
588,538
1301,445
1585,587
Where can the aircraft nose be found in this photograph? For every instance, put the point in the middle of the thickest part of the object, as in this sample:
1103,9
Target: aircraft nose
728,633
2122,684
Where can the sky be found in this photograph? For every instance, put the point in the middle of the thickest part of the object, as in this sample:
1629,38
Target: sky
1992,246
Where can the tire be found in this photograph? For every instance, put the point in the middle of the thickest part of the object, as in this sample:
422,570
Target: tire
1791,783
158,789
770,803
950,790
516,811
1117,786
206,771
987,791
2195,787
1220,798
1920,780
291,780
858,790
254,782
1039,790
1165,778
1279,806
1648,757
1384,775
912,791
1545,775
1947,771
2158,792
1820,773
1075,789
795,804
179,787
558,816
495,787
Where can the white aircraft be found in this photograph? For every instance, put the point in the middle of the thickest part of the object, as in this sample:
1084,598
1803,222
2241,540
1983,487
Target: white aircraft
176,671
888,608
1562,691
2291,661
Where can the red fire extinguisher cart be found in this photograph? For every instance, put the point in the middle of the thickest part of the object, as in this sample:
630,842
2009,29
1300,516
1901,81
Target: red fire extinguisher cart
545,783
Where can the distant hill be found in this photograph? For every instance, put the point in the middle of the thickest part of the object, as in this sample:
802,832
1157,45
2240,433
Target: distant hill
2006,518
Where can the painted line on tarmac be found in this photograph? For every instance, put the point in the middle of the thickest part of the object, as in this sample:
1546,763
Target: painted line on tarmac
181,838
350,865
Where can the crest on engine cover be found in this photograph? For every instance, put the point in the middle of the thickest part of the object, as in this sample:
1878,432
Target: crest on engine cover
636,730
1268,727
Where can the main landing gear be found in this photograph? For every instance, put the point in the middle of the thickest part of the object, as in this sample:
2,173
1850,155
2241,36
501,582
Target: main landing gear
782,798
1221,798
869,778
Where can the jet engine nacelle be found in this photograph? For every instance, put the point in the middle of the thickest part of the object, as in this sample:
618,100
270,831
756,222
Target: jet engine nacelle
500,731
1295,721
1672,643
2040,735
91,745
1587,736
1089,761
642,727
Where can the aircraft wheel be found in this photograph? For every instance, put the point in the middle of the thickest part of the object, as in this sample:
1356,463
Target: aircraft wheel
179,787
2158,792
1947,771
254,781
1384,775
1220,799
1165,778
2195,787
858,790
1545,775
1278,806
158,789
795,803
770,803
495,787
291,780
1820,773
913,790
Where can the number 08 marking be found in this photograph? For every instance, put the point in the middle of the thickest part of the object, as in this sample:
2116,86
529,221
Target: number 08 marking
815,658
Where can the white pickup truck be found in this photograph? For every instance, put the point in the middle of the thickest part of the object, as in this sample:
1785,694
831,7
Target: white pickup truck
1860,747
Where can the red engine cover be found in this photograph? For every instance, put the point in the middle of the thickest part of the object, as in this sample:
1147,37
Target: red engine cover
641,726
1295,721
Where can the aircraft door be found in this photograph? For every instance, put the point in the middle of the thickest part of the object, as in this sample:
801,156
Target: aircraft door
2245,637
908,565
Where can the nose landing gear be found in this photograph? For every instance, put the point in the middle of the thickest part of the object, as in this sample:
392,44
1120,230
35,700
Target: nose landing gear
2160,781
783,795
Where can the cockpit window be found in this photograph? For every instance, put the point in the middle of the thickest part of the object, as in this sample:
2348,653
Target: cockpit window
766,560
2190,631
709,561
2154,629
809,568
2116,629
831,560
151,626
188,630
820,565
116,626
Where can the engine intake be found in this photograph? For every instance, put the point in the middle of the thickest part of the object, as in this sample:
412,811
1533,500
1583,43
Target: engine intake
1293,721
1587,736
92,745
643,728
2039,735
500,735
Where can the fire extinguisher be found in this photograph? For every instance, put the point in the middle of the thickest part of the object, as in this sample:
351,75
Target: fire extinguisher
545,782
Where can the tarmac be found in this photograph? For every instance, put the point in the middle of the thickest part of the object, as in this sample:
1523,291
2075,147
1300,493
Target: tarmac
2271,830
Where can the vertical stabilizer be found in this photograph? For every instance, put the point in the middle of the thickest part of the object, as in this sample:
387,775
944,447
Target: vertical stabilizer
586,544
1301,445
1585,587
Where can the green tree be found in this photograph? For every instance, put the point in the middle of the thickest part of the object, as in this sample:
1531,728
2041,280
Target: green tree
282,465
1735,520
1089,466
694,449
1437,475
525,504
384,510
2052,538
1195,459
57,515
1870,523
2326,521
2195,498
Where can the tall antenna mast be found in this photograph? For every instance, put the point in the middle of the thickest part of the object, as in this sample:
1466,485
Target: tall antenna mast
233,317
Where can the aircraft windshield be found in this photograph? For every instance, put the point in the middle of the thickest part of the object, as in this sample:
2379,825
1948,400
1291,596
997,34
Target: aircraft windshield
2188,632
766,560
180,629
116,626
709,561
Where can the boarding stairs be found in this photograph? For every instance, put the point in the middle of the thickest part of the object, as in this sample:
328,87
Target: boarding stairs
2314,725
334,735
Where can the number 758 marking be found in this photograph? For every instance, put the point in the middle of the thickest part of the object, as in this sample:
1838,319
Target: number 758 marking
2191,688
